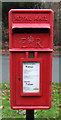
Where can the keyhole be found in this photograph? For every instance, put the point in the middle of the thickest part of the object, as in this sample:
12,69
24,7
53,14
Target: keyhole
18,78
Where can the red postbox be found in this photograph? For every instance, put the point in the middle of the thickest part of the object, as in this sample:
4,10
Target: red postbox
30,46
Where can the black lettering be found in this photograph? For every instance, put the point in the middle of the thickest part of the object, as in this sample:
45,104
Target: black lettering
30,84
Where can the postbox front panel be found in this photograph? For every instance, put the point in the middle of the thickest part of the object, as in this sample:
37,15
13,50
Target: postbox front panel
24,97
30,42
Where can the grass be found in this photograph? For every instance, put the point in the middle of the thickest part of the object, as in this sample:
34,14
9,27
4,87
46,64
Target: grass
7,112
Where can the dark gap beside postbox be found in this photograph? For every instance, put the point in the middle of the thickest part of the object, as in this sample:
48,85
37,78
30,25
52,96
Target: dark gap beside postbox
31,30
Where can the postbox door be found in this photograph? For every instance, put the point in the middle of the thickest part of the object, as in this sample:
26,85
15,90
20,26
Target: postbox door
41,97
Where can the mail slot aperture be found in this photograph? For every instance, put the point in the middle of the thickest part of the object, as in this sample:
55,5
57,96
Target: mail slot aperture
31,30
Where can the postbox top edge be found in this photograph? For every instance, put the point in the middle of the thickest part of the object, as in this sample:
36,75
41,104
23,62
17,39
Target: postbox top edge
31,10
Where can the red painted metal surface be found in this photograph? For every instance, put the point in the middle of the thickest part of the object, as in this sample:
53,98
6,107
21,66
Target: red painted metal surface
30,30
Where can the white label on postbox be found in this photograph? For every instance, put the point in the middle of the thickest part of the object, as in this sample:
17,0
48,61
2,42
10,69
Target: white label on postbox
31,77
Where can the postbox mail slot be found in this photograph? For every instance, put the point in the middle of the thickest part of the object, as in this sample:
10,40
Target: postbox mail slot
30,30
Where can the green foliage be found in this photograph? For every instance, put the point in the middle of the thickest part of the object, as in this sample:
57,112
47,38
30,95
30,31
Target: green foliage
4,33
7,112
0,11
57,48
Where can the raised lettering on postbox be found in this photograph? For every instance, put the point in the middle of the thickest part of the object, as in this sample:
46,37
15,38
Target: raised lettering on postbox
30,18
